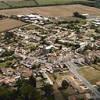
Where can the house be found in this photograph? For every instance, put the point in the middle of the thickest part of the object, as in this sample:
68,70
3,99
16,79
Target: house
47,49
1,51
32,18
47,79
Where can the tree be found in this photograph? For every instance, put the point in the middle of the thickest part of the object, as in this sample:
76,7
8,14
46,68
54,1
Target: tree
32,47
8,35
97,30
48,89
2,16
14,17
6,93
8,64
32,81
77,14
26,91
98,88
65,84
77,30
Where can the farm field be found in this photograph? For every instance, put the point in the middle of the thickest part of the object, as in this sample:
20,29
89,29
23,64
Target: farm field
90,74
16,4
64,10
10,0
46,2
10,4
7,24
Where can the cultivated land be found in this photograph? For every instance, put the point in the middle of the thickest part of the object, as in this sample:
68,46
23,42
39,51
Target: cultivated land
10,0
66,10
7,24
9,4
91,74
5,4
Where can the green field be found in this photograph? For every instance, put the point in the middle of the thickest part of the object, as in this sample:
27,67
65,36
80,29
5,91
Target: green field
48,2
36,3
2,5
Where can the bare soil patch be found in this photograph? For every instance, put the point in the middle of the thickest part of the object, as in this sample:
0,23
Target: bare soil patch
90,74
8,24
65,10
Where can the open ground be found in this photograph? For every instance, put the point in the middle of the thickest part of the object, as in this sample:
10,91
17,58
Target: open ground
7,24
90,74
10,0
65,10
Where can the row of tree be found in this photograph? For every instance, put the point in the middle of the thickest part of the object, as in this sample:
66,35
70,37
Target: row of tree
77,14
26,90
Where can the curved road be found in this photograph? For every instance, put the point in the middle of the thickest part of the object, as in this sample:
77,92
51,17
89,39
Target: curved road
73,68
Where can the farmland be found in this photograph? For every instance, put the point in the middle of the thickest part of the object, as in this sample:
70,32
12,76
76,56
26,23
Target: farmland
7,24
10,0
9,4
63,11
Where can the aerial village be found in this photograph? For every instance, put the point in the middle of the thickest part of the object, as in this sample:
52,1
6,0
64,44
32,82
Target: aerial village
55,51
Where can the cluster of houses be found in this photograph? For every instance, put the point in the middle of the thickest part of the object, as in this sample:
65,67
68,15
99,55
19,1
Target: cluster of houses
44,49
1,51
36,18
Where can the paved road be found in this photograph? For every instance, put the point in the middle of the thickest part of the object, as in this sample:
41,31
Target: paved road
73,68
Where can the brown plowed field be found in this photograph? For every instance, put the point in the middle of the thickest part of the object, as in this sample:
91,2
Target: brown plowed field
7,24
65,10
